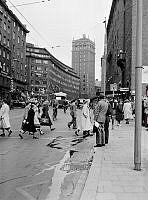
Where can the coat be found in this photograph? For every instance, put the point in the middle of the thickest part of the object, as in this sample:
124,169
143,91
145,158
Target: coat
30,120
85,116
119,112
5,115
100,111
127,109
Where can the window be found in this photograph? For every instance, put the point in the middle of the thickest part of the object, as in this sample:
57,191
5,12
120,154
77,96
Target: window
38,61
4,40
8,57
18,39
8,29
21,54
38,68
13,35
4,54
18,28
14,24
21,66
5,27
8,43
45,62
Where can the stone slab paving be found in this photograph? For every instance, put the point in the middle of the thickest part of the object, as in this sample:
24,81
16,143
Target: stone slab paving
112,175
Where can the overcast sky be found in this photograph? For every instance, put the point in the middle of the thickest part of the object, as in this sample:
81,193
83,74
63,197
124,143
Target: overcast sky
57,22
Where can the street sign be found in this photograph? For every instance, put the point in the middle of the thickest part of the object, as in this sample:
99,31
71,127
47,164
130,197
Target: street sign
113,87
124,89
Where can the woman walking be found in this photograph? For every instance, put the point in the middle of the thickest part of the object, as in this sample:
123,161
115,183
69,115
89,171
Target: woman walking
5,118
30,121
45,118
86,123
119,112
127,109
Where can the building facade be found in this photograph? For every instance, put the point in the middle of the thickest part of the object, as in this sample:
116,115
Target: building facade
121,43
12,54
83,62
47,75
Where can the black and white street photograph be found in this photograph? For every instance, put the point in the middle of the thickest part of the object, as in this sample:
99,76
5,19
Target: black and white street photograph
73,99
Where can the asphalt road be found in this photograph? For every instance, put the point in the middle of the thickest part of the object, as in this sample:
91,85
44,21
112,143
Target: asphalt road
52,167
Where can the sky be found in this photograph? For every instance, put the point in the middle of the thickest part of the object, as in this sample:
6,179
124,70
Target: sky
54,24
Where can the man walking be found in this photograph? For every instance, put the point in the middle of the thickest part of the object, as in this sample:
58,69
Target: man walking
73,115
99,117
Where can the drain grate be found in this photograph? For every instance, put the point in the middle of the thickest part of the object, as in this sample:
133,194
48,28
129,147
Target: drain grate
69,167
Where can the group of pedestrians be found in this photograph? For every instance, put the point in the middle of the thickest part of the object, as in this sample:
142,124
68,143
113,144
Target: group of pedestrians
32,121
103,113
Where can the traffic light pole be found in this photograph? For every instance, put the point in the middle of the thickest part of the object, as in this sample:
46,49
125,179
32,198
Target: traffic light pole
138,88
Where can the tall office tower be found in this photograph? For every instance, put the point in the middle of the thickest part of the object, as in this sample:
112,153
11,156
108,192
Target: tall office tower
83,62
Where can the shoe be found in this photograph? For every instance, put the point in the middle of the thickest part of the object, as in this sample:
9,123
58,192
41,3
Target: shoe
98,145
42,133
76,133
21,136
2,135
52,129
34,137
74,128
9,133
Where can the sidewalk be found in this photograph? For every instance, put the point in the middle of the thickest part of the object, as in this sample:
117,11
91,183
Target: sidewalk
112,175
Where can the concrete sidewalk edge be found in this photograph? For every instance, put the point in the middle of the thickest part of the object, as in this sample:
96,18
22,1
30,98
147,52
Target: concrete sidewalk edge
93,176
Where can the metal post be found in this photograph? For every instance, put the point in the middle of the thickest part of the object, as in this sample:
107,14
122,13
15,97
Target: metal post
138,88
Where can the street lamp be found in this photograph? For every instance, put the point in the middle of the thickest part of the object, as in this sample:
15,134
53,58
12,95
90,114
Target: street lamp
121,62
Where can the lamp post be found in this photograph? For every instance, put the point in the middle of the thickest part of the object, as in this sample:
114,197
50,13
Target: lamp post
138,88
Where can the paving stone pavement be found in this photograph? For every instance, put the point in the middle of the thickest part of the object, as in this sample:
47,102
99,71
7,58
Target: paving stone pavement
112,175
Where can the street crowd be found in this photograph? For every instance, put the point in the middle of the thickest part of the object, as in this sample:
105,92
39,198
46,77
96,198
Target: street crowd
96,114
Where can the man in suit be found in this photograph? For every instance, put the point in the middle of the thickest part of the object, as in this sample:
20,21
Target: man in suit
100,117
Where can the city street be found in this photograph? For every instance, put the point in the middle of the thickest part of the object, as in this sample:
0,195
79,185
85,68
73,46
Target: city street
53,167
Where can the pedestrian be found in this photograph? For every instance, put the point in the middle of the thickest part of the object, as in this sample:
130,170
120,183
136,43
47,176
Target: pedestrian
127,109
30,121
55,109
85,116
5,122
109,114
119,112
24,125
73,115
45,118
36,119
99,118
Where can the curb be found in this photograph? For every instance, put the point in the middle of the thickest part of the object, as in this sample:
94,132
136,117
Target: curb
90,189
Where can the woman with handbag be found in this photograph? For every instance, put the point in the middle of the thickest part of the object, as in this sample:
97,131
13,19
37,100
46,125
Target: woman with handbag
45,118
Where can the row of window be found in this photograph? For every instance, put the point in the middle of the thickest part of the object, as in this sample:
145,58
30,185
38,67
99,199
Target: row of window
4,67
4,54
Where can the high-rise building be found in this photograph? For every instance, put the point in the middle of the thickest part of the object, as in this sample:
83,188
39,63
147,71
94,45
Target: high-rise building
121,44
83,62
12,54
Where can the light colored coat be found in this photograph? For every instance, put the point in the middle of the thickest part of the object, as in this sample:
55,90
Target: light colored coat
85,116
5,115
127,109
